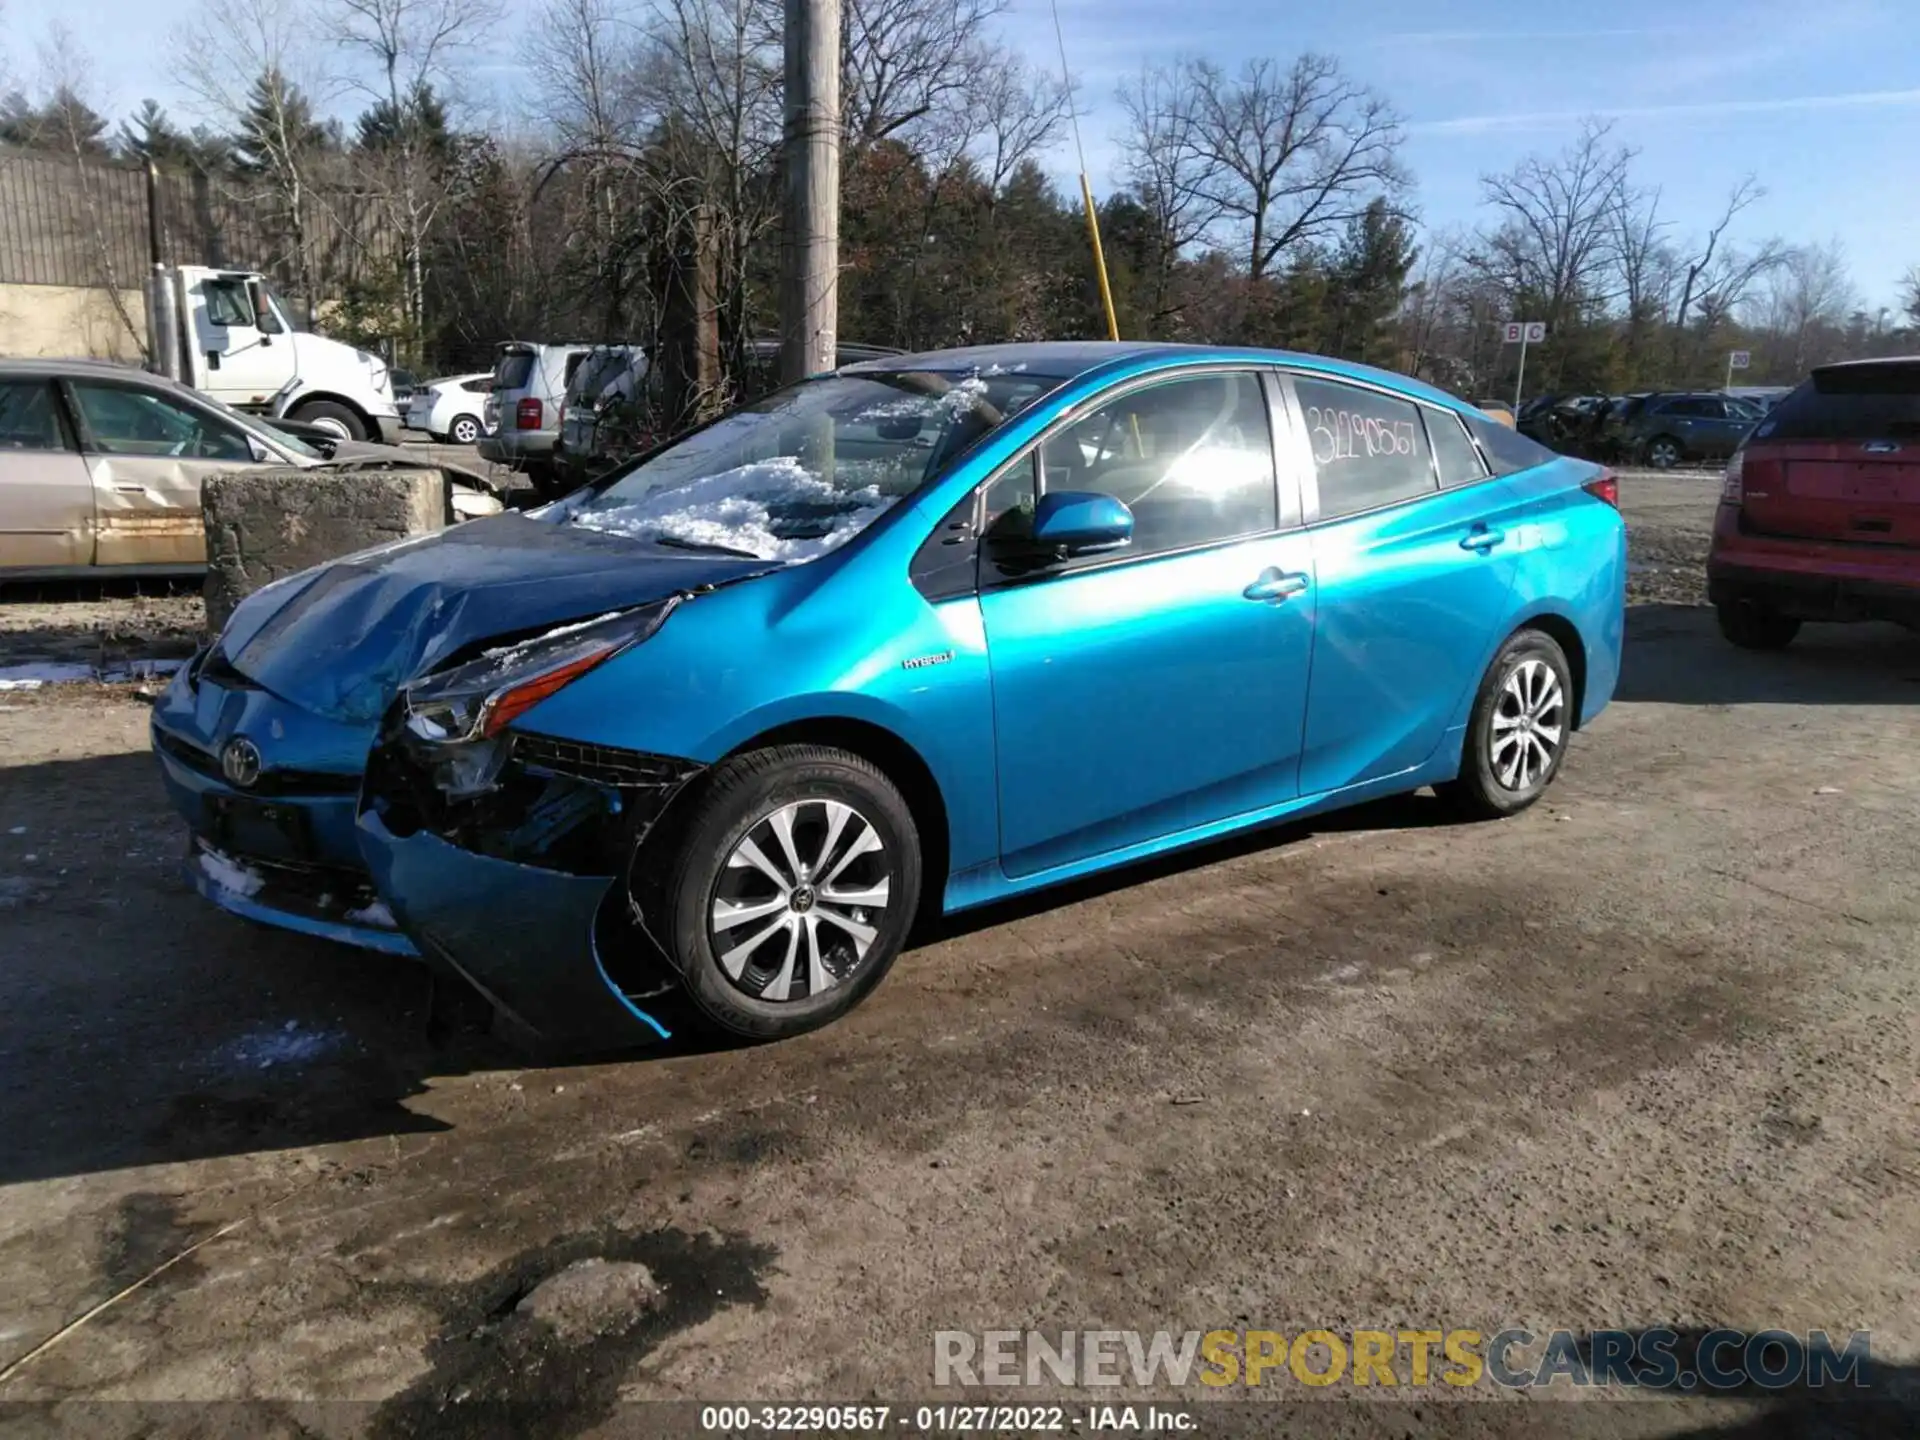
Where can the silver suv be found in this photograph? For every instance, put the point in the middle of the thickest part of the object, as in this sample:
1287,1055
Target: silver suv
523,408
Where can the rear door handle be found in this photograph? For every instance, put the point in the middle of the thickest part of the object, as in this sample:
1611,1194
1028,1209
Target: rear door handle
1482,538
1276,585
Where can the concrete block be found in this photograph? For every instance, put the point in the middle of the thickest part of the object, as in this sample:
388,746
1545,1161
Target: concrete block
265,524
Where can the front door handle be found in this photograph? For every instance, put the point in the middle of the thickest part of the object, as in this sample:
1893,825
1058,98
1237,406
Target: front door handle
1276,585
1482,538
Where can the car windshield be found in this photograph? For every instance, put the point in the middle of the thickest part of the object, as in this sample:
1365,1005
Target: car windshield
806,469
254,424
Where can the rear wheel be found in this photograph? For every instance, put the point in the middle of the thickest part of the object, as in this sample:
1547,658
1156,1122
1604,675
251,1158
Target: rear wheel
1517,736
786,890
1663,452
334,418
465,430
1752,626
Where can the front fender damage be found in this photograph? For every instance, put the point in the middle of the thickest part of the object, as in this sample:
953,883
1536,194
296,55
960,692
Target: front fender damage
509,860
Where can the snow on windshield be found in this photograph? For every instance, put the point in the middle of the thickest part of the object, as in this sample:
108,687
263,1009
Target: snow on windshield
737,508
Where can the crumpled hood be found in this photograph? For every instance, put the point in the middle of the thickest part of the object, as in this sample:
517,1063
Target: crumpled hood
341,639
350,453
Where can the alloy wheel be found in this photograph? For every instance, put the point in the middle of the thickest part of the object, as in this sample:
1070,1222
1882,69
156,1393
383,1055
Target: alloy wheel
1529,725
1664,455
796,908
466,430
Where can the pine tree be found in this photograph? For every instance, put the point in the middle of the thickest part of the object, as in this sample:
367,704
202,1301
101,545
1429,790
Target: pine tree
279,126
64,123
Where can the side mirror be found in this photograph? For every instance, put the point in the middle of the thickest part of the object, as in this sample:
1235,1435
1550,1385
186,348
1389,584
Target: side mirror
1081,522
264,320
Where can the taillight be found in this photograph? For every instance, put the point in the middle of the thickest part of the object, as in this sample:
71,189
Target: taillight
1733,488
1604,486
527,414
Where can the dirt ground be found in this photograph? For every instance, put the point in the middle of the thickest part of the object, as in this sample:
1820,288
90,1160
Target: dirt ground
1643,1056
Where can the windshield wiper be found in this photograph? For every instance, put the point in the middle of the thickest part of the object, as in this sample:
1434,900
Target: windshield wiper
705,547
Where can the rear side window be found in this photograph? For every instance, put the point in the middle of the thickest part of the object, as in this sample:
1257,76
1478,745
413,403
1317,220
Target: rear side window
573,365
514,370
1453,453
28,417
1856,402
1506,450
1369,449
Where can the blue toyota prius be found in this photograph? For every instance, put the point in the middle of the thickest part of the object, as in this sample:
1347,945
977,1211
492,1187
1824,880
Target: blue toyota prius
923,634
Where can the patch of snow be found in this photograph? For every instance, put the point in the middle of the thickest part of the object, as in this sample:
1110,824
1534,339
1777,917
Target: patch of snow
288,1044
33,675
735,508
509,651
230,874
375,914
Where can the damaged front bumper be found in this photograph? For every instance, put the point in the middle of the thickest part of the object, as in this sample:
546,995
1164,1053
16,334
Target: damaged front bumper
282,851
521,885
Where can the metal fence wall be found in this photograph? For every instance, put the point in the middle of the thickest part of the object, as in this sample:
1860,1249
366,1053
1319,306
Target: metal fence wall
66,222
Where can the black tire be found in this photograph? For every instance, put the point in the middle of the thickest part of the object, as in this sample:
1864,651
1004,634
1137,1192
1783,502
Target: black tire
465,430
681,876
1485,790
323,412
1663,452
1753,626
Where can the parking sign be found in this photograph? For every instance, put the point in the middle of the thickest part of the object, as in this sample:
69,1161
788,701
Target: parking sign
1531,332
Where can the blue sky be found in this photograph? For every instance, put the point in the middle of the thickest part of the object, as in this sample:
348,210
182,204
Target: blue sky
1820,101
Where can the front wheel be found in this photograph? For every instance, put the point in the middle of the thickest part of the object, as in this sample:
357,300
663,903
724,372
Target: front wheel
1517,737
785,892
336,420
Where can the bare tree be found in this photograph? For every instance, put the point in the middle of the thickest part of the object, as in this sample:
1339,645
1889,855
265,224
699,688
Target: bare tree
1806,303
248,64
1272,158
906,59
1716,278
64,66
406,49
1558,224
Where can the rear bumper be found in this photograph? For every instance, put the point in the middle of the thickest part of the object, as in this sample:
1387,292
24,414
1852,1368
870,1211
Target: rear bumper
1812,579
517,447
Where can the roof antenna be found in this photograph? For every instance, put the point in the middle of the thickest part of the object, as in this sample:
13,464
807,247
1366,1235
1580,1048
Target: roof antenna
1086,189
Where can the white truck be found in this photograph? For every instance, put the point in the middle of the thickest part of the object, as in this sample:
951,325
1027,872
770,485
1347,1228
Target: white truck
225,333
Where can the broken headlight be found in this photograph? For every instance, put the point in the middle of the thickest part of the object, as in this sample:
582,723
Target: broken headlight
479,699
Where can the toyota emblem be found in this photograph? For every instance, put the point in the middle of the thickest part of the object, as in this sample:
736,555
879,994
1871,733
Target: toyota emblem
240,762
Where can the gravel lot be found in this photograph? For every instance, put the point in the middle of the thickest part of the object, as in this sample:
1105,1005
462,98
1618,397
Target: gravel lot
1645,1055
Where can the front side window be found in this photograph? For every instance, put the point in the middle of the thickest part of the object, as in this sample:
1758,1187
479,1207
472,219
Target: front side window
806,469
1369,449
124,421
227,303
1192,458
28,417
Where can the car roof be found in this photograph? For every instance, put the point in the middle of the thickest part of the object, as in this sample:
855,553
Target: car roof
46,367
1071,359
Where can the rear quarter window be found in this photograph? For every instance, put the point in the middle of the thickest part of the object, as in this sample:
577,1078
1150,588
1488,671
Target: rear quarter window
1507,451
1857,403
1454,455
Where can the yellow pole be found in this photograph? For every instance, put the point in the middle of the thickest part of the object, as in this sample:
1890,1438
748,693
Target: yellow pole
1099,258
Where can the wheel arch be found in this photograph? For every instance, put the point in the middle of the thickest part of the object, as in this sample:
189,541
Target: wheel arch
901,763
1567,636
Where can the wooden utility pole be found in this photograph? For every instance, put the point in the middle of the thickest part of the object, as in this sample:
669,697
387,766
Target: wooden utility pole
810,251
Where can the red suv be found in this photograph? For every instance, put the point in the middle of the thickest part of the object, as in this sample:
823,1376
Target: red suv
1820,517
